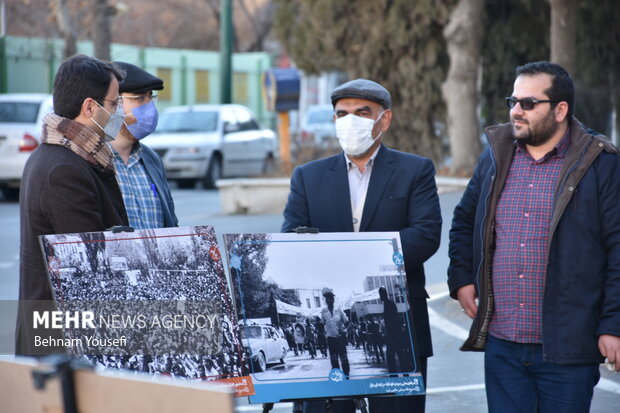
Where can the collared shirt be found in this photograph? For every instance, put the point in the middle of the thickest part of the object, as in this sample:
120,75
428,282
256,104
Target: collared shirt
139,192
335,322
358,181
522,224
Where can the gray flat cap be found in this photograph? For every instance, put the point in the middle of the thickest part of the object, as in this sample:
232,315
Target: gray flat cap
363,89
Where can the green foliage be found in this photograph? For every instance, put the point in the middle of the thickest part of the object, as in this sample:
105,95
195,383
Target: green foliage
398,43
258,294
516,32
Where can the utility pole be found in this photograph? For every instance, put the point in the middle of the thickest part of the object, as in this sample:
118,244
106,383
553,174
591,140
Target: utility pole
226,51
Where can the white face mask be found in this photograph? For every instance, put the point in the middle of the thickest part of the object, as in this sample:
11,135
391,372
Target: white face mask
355,133
114,124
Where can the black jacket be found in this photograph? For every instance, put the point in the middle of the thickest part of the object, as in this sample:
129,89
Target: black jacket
60,193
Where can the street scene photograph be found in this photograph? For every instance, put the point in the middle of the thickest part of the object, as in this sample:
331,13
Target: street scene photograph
311,303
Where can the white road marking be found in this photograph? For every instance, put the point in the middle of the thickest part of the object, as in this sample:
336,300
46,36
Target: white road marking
446,325
447,389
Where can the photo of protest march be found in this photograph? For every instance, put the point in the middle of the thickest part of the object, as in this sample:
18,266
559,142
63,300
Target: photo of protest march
158,301
309,303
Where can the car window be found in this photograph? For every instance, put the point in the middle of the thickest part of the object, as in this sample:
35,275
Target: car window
321,116
19,112
246,120
250,332
191,121
229,118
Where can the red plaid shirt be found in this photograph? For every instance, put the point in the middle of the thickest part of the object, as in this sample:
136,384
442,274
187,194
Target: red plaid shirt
522,221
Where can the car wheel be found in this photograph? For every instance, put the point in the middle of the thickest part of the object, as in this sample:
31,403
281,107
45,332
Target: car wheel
10,194
269,166
261,362
213,173
186,183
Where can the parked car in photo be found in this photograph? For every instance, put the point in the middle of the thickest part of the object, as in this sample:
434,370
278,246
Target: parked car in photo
209,142
317,127
263,345
21,117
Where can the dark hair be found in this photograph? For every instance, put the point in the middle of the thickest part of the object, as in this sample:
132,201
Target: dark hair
80,77
562,88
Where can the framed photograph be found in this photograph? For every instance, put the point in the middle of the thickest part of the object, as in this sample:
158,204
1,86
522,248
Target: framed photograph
154,301
323,315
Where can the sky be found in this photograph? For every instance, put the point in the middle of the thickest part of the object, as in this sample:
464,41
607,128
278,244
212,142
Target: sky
339,261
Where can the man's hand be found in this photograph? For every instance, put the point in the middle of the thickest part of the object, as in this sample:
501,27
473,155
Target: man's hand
610,347
467,298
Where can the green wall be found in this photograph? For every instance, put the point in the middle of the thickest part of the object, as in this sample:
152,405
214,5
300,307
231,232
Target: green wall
29,65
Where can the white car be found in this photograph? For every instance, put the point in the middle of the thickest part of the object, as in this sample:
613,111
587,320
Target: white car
208,142
318,128
21,117
263,345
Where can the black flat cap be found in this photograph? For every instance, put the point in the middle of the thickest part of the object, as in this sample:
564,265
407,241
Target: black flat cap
363,89
137,80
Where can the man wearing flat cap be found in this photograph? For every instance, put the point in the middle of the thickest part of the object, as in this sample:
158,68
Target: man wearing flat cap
371,187
139,170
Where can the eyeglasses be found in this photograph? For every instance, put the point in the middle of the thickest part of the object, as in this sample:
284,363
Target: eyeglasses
115,102
526,103
142,99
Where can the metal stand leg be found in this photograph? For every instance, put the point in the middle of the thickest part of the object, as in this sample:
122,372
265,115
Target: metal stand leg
267,407
360,404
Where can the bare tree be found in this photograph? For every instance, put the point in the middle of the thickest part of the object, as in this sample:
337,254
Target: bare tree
102,37
563,33
463,35
65,24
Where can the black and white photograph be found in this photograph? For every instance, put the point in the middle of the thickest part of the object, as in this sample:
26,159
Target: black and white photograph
159,297
312,306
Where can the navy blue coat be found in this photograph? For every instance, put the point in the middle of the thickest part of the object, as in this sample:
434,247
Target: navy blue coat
582,286
402,196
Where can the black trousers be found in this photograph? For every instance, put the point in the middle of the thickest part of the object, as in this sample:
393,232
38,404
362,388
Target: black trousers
338,350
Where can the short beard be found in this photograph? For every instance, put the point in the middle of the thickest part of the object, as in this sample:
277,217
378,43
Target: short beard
540,133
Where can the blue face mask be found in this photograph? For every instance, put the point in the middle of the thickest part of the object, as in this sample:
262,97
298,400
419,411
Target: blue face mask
146,120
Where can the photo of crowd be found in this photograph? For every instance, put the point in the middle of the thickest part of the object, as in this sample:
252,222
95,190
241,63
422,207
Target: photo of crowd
173,272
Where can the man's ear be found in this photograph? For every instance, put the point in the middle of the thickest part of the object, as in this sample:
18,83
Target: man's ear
561,111
89,107
386,120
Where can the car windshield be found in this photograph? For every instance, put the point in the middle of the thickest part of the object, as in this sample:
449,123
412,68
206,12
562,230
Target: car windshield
251,332
194,121
19,112
322,116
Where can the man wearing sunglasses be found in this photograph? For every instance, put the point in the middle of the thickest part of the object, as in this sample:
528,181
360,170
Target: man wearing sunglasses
535,251
139,170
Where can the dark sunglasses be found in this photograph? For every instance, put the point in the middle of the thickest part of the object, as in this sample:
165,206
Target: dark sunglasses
526,103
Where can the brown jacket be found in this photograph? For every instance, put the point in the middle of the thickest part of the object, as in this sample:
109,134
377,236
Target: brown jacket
60,193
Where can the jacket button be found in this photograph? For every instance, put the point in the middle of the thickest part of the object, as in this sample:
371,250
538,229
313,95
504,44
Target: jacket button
571,188
600,144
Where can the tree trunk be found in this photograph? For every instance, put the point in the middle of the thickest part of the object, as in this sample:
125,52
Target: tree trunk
463,35
102,37
63,17
563,33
